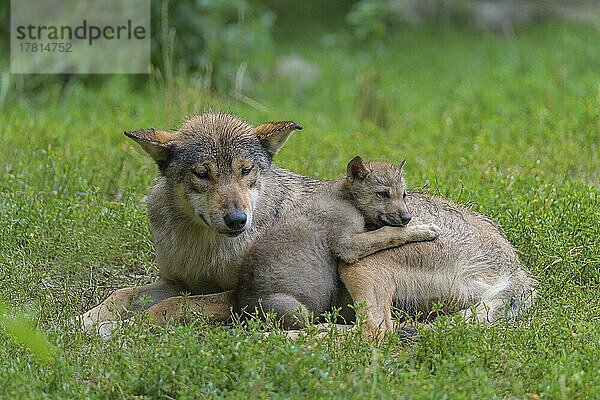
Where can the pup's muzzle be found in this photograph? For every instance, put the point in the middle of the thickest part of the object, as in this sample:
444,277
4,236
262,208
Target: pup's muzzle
400,219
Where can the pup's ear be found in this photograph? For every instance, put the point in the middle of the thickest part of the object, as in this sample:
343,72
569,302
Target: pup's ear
357,169
401,166
154,142
273,135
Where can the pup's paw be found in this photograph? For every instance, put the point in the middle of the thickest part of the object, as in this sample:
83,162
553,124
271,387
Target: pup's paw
375,332
427,231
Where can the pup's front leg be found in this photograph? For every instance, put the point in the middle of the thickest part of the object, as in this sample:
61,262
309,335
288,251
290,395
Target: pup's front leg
363,244
366,283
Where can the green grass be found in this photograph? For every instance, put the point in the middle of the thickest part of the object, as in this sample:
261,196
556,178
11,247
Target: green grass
510,126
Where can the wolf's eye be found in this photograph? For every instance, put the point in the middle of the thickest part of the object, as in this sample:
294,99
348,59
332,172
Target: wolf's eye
200,174
404,195
246,171
383,194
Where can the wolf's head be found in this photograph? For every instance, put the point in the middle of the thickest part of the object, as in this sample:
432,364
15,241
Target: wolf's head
378,190
214,163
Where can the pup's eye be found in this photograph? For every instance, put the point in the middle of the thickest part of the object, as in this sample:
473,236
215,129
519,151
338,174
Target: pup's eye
246,171
383,194
200,174
404,195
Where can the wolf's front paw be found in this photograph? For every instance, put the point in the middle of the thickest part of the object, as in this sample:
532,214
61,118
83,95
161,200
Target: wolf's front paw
427,231
93,326
168,309
87,323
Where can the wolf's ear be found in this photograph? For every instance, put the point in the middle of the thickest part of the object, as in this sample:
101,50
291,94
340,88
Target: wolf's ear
273,135
401,166
357,169
154,142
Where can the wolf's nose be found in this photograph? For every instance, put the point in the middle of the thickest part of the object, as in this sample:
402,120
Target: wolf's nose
405,218
235,220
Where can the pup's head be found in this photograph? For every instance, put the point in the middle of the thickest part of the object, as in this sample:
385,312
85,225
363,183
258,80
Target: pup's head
378,190
214,164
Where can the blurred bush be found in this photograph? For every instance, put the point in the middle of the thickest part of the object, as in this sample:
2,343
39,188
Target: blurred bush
226,42
376,19
212,37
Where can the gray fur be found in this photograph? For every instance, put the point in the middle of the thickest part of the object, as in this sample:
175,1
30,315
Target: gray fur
195,251
470,268
292,269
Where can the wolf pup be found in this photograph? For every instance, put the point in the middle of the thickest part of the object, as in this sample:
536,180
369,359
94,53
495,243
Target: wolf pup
471,268
292,269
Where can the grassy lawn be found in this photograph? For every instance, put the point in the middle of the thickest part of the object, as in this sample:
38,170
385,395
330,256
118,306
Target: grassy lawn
508,125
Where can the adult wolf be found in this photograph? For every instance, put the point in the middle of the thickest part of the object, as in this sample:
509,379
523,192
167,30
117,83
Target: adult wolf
215,193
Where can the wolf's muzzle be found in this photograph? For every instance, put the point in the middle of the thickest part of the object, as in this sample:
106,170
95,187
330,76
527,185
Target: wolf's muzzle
235,220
